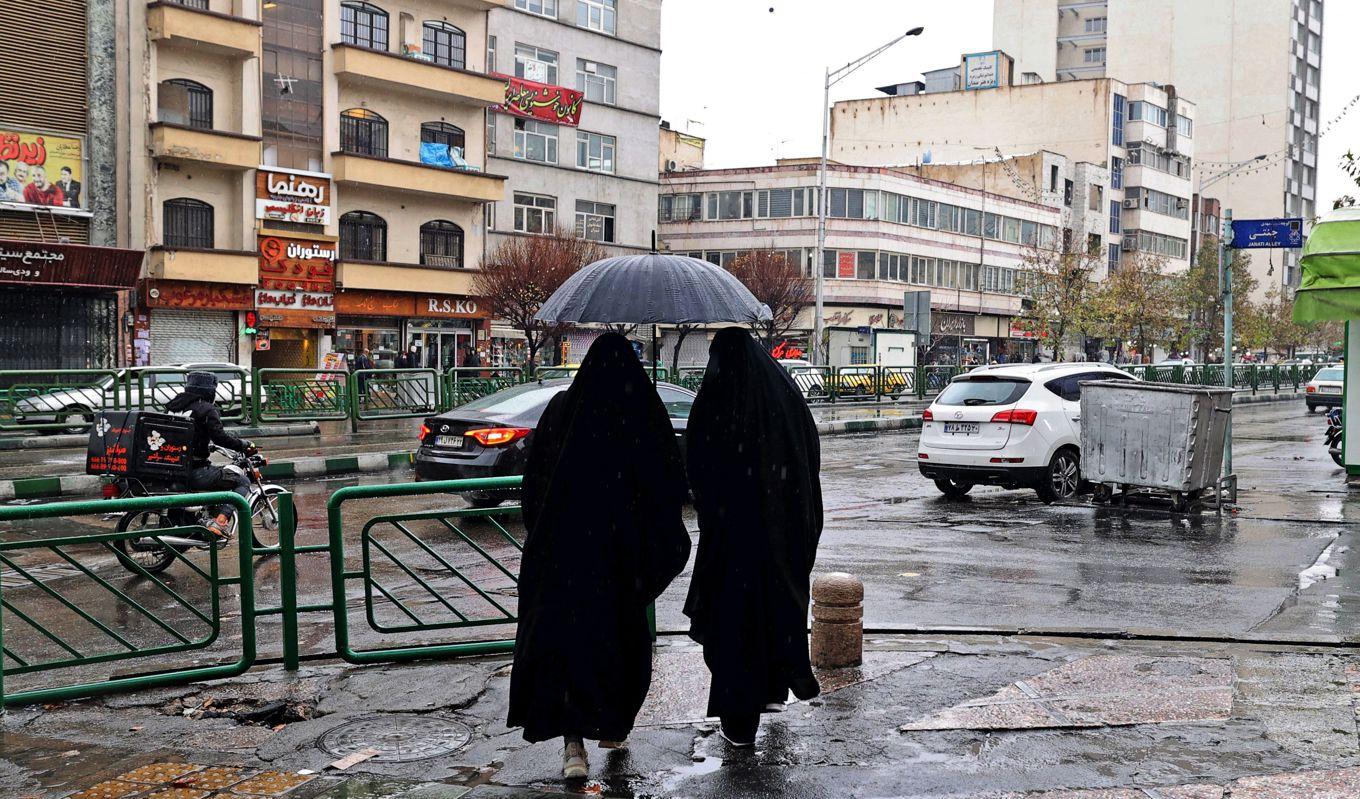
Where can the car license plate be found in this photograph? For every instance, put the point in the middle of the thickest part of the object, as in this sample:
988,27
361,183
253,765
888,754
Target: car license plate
449,442
1331,389
963,428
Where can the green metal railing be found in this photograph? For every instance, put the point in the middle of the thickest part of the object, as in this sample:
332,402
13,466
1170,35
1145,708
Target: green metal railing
445,590
394,393
300,394
120,605
464,384
60,399
152,389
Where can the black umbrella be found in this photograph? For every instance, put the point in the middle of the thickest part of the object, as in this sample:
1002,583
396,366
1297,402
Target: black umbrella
651,289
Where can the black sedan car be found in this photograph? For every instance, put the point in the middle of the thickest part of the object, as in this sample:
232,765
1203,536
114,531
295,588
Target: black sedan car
491,436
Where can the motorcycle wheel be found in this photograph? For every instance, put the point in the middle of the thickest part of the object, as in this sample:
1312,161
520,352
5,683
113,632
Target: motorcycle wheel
148,554
1336,458
264,518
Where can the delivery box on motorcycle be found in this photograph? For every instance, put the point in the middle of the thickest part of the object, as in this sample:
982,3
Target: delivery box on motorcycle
140,444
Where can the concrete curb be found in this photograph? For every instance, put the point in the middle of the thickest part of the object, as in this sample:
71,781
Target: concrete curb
72,485
869,425
62,441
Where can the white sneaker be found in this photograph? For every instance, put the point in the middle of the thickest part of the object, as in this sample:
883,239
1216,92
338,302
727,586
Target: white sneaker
775,707
574,763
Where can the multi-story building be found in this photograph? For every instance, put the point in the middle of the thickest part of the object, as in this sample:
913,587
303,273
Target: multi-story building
1254,68
888,232
592,172
63,288
1130,146
316,167
680,151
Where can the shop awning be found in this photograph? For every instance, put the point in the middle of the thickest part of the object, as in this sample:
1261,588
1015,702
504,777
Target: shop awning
1330,286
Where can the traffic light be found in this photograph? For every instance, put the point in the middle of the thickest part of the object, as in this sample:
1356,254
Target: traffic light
251,320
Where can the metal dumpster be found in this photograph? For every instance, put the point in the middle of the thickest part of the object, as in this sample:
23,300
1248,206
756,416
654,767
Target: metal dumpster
1153,435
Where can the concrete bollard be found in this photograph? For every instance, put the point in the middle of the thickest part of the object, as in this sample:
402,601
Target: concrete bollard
837,621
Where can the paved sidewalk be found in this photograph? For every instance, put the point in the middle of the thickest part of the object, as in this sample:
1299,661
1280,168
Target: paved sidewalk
979,716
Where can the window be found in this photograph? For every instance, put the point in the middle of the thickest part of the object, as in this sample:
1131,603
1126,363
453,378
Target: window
1147,112
443,133
445,45
1067,193
363,237
441,244
680,207
1113,261
595,151
1053,178
363,132
1029,233
1097,198
847,203
1096,25
594,221
491,133
535,141
1165,204
598,15
1093,55
1010,230
543,8
923,212
1117,121
1116,173
1185,126
949,217
784,203
972,222
1114,216
364,25
678,403
535,63
535,213
1158,244
187,223
729,205
596,81
490,54
991,226
185,102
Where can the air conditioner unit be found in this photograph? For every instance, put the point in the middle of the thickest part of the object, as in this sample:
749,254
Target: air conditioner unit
1182,203
590,67
671,165
1129,243
1130,202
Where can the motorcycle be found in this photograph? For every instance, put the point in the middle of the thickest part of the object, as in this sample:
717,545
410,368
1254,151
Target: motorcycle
155,552
1334,436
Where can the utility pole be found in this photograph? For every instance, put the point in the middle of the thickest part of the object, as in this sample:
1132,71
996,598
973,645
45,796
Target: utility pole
1225,275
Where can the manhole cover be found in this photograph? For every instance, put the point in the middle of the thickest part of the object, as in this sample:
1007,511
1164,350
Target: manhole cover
397,738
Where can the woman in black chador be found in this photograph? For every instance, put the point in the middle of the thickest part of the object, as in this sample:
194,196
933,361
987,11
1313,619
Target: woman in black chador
603,492
754,459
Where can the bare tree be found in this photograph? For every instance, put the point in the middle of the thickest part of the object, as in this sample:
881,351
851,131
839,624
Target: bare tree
523,272
1060,295
779,283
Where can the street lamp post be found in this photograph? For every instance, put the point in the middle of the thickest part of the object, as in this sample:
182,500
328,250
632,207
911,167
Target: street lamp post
832,78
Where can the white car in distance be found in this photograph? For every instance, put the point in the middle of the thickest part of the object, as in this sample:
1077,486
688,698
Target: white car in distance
1009,425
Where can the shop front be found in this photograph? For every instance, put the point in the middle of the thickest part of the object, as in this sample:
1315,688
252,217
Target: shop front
446,329
59,304
443,328
295,301
180,321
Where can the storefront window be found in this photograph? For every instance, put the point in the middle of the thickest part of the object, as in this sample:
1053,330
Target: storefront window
379,335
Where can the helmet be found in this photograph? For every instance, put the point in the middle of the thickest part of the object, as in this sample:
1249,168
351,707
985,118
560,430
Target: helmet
201,384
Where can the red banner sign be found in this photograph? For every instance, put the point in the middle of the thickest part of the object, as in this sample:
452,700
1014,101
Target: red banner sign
68,264
297,264
556,104
845,265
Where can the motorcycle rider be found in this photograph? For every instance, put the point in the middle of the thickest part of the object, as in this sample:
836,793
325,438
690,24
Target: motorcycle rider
198,400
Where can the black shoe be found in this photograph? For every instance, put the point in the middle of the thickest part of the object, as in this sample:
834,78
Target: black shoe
741,730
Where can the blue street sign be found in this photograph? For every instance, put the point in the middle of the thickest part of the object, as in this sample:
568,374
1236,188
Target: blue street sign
1257,234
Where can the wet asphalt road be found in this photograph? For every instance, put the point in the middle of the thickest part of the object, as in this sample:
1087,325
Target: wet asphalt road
995,560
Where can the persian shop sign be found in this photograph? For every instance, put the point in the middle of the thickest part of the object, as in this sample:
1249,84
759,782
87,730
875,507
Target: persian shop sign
286,195
37,170
293,300
297,264
544,101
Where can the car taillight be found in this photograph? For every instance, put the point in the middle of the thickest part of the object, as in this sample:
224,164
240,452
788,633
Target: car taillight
1312,389
927,416
110,491
424,432
1016,416
498,436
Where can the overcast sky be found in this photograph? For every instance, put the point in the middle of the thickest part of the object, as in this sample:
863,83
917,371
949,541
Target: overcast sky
750,80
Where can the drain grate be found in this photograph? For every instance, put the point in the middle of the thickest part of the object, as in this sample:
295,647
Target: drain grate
398,738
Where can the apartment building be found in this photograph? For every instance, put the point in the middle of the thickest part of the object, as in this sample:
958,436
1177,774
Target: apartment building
64,288
1130,147
1253,67
888,232
592,168
307,177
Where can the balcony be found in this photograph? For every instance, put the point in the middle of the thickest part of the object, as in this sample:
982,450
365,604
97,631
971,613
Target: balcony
392,175
384,71
385,276
171,142
217,266
224,34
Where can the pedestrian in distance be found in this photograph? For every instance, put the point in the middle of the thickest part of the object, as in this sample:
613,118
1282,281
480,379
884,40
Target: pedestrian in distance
410,359
754,460
603,492
362,362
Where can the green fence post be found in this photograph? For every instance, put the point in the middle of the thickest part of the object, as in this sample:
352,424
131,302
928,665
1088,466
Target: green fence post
352,385
288,579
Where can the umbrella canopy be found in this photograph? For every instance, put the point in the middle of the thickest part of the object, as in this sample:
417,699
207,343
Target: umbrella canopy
652,289
1330,285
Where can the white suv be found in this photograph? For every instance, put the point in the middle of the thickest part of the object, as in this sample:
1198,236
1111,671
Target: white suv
1011,425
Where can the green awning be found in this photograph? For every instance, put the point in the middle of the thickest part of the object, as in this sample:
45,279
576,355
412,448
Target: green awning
1330,286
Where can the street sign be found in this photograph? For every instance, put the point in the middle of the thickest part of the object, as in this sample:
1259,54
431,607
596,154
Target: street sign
1258,234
